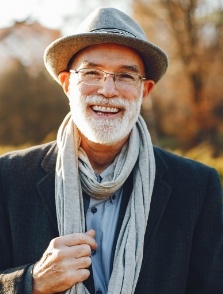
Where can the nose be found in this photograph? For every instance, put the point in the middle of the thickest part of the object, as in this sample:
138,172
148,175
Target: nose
108,87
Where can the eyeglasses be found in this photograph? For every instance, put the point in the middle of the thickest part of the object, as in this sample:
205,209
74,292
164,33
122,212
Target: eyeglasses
95,77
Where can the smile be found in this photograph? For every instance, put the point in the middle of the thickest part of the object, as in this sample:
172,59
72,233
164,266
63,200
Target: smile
105,109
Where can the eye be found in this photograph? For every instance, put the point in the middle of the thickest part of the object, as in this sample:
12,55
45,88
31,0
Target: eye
91,73
124,76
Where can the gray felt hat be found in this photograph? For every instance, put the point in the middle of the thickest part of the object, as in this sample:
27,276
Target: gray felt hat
106,25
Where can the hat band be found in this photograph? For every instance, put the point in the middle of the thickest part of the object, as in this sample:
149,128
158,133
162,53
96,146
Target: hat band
114,31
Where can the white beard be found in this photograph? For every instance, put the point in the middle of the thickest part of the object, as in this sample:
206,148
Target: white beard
102,130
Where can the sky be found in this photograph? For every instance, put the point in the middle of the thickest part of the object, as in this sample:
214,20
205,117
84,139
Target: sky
60,14
52,13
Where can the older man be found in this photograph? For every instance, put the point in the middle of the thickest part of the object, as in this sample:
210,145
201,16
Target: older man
101,210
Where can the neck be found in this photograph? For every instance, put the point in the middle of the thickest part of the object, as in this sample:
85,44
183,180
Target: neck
101,156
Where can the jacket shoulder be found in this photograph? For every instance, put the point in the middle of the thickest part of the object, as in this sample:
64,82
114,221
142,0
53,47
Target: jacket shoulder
25,158
174,160
181,168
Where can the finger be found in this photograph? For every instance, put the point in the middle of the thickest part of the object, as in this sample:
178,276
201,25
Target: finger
78,239
81,263
79,251
91,233
79,276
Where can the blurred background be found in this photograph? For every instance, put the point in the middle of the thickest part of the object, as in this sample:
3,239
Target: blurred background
185,112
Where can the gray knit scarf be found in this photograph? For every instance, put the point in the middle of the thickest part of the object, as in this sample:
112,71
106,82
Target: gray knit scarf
74,173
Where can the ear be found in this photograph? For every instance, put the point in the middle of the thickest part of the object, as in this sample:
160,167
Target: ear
64,80
147,87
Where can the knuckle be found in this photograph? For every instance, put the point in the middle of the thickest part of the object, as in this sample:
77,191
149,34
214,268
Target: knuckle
53,253
70,279
84,250
87,261
84,274
57,255
79,251
74,277
81,237
87,250
54,243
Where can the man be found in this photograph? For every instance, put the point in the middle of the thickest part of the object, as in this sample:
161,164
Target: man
101,210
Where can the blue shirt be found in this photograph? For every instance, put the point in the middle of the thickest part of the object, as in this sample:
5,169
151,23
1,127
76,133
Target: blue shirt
102,216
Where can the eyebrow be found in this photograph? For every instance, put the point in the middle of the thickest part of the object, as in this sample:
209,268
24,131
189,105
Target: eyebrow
132,68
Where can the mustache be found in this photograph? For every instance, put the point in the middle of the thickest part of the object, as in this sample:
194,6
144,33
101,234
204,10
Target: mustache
109,102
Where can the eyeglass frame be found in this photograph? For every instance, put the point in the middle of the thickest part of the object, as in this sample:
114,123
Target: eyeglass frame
140,77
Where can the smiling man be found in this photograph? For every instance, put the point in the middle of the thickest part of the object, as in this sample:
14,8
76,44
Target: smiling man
102,210
107,101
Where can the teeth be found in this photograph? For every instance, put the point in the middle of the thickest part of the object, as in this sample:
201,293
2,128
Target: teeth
105,109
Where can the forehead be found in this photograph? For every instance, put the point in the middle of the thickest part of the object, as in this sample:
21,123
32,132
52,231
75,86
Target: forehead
109,55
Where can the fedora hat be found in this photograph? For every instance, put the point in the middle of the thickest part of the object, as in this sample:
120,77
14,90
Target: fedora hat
106,25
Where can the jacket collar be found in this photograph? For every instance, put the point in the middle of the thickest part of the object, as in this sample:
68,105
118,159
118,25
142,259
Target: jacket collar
49,161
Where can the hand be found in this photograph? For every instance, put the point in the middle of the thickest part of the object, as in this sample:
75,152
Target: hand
64,263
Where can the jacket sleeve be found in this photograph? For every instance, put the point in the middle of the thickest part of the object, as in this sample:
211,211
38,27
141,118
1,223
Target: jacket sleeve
16,280
206,268
12,279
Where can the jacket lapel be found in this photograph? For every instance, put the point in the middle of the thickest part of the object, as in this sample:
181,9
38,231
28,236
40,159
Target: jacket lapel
160,197
46,186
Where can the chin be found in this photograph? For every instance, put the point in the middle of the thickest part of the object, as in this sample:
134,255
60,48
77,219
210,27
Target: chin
105,140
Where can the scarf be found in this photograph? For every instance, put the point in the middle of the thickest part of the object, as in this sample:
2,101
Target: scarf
74,173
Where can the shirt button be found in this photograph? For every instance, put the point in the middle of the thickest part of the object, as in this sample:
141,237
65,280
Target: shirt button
99,292
93,252
94,210
113,197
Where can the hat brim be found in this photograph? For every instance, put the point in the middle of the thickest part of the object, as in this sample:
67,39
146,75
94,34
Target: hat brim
58,54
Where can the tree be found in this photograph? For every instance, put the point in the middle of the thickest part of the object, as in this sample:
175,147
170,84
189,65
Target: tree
31,107
183,29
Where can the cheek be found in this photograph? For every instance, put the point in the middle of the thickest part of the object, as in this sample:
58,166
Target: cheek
80,89
132,98
132,95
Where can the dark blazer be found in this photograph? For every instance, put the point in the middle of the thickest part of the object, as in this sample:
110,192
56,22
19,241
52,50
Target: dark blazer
183,248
